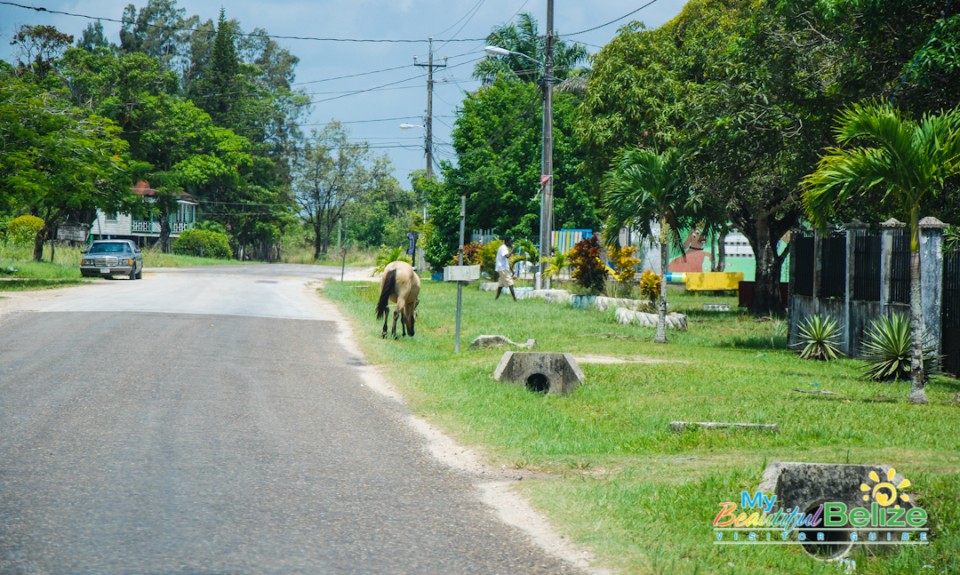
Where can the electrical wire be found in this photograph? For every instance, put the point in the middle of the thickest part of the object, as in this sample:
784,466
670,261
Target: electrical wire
614,21
248,34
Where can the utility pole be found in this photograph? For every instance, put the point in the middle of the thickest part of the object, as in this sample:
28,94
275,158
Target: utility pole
428,140
546,202
428,143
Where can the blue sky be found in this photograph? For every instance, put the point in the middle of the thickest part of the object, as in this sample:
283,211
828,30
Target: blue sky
392,90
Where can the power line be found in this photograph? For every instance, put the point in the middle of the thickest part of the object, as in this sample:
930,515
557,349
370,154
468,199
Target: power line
615,20
250,34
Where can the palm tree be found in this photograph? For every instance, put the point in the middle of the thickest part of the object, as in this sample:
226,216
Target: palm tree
642,187
909,165
522,37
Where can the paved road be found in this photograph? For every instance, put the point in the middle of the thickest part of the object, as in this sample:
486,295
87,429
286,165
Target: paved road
209,421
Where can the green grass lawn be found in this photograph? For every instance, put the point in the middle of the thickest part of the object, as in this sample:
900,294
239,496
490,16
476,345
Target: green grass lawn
617,479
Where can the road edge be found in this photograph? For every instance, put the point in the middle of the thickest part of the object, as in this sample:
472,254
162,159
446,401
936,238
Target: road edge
494,490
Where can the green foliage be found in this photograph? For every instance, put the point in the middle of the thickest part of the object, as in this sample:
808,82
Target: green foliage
523,38
334,176
497,137
472,255
589,272
524,251
819,337
888,350
556,263
203,243
58,159
488,258
23,230
388,255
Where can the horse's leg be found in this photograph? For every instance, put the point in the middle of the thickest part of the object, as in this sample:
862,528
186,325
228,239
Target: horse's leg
396,313
403,322
386,318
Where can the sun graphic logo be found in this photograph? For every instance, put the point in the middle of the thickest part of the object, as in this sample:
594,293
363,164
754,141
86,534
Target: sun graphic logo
885,493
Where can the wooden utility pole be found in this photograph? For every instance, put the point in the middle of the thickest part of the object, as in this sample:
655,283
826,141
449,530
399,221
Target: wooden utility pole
428,141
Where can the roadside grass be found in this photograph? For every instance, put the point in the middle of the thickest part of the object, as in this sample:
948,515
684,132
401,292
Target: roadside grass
616,479
64,270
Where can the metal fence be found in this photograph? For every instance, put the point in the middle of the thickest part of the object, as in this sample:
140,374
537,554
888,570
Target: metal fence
951,312
833,266
866,263
801,265
900,268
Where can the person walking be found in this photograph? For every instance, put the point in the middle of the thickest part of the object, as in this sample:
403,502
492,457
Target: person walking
502,267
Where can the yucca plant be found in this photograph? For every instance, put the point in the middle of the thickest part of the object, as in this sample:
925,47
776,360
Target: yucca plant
819,337
888,350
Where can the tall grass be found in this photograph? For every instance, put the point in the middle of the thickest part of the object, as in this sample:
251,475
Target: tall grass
642,496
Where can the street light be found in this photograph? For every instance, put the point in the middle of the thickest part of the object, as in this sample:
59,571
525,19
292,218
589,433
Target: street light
546,178
421,263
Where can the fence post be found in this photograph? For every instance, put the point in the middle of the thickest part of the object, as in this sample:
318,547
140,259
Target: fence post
931,278
887,231
849,337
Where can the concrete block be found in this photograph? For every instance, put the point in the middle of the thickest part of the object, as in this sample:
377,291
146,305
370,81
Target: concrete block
807,485
556,373
482,341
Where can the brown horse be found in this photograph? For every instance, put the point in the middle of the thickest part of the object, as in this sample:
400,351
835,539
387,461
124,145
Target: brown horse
401,285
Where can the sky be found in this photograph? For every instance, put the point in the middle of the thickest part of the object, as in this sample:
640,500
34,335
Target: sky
373,86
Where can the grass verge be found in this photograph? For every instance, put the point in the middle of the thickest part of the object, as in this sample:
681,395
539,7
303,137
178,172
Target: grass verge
19,272
620,482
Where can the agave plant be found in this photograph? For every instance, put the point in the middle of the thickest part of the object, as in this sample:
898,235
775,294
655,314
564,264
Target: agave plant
819,337
888,351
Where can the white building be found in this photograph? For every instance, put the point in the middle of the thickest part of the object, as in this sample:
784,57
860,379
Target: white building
142,231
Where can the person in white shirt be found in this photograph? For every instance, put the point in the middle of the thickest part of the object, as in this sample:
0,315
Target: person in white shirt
505,279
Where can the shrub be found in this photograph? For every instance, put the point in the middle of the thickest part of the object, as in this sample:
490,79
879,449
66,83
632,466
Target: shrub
650,286
471,255
488,258
819,335
23,230
625,264
588,269
203,243
888,350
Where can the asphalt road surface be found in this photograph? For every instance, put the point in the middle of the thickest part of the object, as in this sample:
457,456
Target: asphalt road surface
209,421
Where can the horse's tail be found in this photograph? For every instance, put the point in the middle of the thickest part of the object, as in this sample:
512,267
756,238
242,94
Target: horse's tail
388,287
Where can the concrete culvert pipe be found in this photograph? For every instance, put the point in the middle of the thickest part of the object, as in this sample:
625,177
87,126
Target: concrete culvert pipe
825,544
538,382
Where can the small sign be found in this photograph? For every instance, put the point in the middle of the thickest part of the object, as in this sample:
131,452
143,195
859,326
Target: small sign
461,273
73,233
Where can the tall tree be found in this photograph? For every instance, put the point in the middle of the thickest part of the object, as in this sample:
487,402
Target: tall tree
497,138
905,169
93,37
716,82
524,38
333,174
39,47
159,29
57,160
